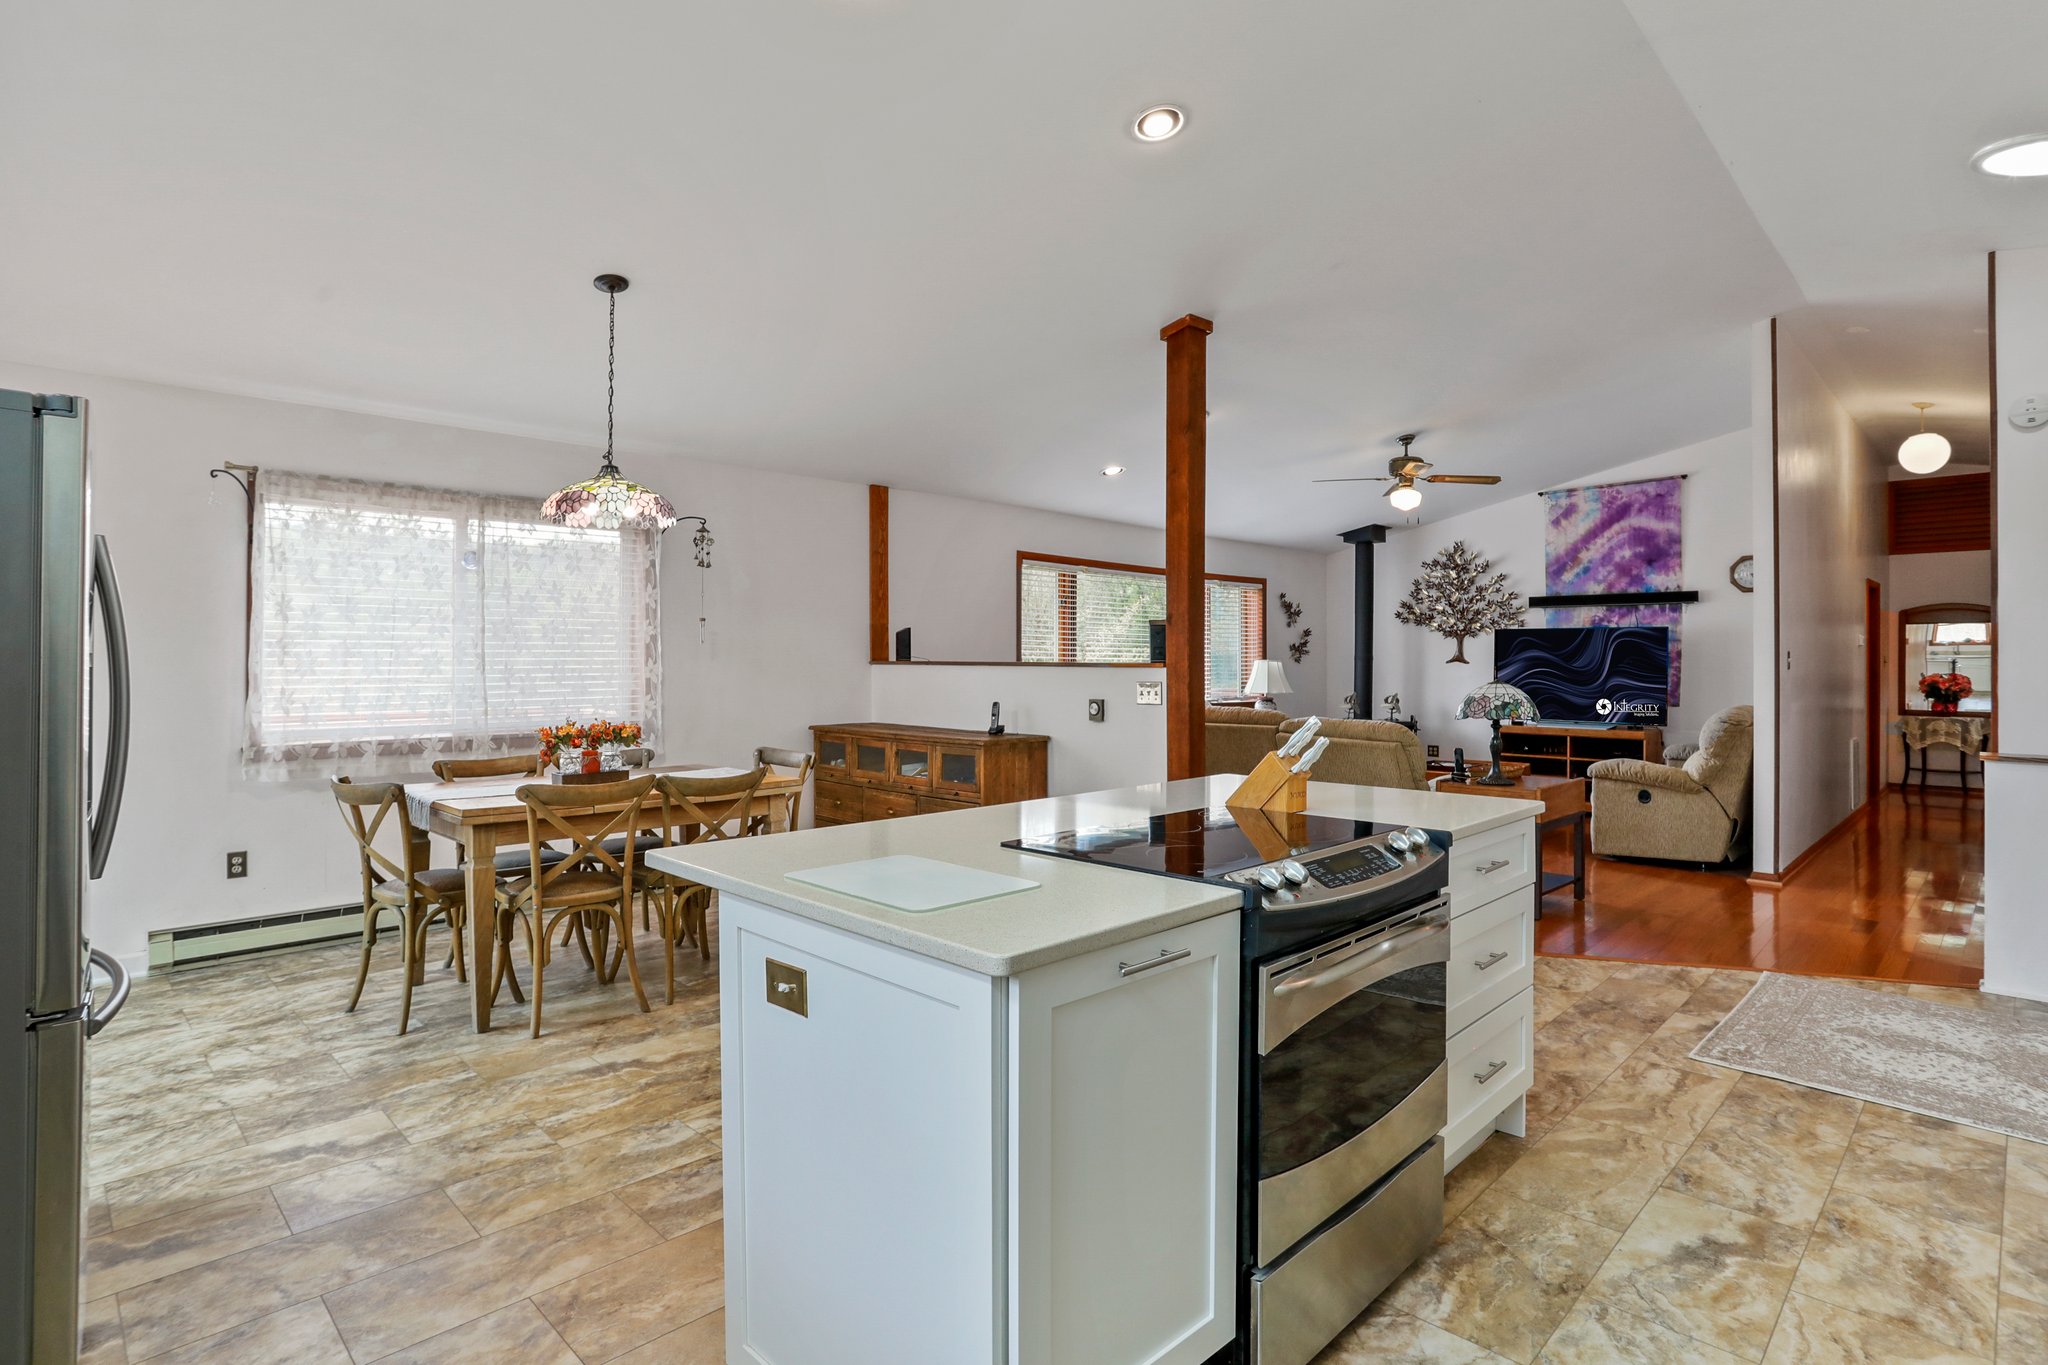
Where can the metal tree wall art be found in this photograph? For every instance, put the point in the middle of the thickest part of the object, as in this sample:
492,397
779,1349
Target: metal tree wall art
1455,597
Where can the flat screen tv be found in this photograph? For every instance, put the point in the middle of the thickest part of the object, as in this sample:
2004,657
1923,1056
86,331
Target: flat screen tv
1593,675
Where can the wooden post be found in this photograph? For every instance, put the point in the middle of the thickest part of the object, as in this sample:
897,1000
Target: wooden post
878,573
1187,428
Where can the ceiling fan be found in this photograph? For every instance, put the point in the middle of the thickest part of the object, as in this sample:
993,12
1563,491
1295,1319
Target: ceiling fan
1404,471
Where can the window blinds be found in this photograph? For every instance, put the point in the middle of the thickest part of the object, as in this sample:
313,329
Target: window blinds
394,625
1083,613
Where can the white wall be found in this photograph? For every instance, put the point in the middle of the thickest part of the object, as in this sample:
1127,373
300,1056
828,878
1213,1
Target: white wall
785,644
1763,504
1831,539
1717,630
2016,792
1127,747
953,579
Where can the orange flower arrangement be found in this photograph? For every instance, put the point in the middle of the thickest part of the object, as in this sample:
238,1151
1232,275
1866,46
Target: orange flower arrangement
572,737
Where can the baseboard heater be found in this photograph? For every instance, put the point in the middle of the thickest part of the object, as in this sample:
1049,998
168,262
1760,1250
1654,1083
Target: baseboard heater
171,949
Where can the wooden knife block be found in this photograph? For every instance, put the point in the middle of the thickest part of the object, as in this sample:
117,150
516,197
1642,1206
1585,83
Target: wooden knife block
1270,787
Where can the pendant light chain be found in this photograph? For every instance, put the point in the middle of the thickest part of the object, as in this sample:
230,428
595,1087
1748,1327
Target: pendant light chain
611,377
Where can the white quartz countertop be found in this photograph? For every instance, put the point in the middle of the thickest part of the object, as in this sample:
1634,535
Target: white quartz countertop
1075,908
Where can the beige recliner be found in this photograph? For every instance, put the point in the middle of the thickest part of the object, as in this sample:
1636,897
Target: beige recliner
1368,753
1235,738
1693,814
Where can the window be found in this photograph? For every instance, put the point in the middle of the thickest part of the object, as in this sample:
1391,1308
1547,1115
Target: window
1082,611
392,626
1947,637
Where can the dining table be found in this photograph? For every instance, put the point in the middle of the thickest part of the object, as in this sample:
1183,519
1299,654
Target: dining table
484,814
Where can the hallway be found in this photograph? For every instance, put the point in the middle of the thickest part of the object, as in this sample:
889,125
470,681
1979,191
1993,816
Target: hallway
1896,898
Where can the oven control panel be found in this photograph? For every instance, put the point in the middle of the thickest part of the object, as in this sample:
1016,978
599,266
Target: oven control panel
1345,870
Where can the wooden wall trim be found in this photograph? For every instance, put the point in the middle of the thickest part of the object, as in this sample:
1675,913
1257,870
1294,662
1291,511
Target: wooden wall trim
1991,348
1187,426
878,573
1777,631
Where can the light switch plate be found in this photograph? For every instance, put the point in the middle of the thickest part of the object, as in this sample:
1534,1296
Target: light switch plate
1095,708
788,988
1151,694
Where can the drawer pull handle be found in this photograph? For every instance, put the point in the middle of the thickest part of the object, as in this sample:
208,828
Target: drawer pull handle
1484,1076
1166,955
1496,865
1482,963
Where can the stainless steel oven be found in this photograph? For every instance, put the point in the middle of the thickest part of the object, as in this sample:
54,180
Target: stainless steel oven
1350,1083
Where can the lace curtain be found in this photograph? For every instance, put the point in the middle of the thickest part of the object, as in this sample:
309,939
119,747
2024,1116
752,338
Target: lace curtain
395,625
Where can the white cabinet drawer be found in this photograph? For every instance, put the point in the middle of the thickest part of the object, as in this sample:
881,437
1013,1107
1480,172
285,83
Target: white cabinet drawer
1491,1063
1492,957
1490,863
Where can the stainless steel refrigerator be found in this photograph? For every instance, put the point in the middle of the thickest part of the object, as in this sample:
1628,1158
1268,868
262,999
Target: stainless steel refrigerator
56,825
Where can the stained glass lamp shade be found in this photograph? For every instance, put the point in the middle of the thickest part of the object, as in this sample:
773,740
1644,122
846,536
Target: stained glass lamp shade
608,501
1498,702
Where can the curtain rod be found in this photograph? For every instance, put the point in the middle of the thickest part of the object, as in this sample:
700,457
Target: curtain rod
1624,483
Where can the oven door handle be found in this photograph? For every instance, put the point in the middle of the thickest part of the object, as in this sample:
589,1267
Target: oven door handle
1383,953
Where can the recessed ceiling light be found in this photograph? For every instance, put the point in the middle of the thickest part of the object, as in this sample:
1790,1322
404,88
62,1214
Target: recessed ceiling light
2014,157
1158,123
1110,471
1857,331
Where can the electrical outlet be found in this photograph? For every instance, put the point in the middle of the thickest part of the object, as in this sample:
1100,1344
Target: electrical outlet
238,864
1435,751
1151,694
1095,708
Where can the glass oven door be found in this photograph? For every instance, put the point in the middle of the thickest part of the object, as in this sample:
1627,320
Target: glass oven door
1351,1075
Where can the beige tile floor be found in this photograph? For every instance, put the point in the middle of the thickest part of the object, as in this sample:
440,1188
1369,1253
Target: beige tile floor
276,1181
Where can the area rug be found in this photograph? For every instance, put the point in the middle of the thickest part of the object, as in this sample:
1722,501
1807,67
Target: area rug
1987,1068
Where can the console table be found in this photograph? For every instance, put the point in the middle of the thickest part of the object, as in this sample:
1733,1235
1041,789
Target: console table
1967,735
872,771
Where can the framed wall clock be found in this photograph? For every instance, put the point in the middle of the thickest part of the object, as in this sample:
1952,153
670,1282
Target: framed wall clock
1742,573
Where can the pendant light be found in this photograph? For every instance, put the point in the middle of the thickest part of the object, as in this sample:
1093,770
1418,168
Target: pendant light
1925,451
611,500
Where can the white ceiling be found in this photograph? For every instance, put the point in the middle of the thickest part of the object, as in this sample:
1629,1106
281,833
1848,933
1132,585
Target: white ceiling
912,242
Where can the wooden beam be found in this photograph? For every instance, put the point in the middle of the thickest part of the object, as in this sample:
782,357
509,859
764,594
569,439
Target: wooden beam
878,573
1187,430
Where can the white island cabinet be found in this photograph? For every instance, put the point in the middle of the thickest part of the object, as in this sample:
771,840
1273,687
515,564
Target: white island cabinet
931,1164
1006,1132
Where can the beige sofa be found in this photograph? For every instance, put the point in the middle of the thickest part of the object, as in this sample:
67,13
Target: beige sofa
1235,738
1368,753
1694,814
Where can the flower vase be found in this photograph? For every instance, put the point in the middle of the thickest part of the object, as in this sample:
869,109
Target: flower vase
609,757
592,761
1942,708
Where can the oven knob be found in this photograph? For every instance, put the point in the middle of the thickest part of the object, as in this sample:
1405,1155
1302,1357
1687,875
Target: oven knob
1269,878
1294,872
1418,840
1398,841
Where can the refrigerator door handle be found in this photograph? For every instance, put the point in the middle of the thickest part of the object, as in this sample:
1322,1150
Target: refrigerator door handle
103,1012
107,589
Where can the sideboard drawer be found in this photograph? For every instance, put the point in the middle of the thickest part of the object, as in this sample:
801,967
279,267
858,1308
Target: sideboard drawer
837,803
1493,952
1493,862
932,805
879,803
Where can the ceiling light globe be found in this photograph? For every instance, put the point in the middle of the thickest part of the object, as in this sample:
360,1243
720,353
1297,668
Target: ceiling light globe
1923,453
1158,124
2015,157
1406,498
1110,471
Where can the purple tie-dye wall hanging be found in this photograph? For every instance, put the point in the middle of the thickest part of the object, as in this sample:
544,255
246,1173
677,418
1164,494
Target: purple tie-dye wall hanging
1617,537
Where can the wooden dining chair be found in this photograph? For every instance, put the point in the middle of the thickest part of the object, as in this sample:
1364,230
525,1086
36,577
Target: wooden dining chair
508,861
590,885
800,759
696,810
404,886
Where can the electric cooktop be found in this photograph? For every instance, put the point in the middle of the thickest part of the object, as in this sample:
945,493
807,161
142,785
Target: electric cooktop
1203,845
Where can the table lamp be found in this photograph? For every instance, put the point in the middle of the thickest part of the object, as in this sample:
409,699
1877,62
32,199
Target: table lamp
1498,701
1267,679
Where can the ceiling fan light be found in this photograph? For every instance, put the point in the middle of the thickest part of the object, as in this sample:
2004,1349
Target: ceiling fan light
1923,452
1405,497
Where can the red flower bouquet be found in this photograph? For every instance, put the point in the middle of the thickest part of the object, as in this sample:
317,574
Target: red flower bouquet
1944,691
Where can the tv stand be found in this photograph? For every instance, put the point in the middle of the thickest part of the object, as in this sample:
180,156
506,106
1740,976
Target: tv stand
1568,750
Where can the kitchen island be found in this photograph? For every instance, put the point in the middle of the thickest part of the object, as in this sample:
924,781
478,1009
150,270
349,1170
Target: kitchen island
1007,1131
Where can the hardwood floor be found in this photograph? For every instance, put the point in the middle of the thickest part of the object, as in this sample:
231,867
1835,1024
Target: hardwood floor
280,1182
1899,897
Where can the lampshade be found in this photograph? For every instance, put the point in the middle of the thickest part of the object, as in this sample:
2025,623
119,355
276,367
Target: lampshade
1406,497
1268,679
1498,701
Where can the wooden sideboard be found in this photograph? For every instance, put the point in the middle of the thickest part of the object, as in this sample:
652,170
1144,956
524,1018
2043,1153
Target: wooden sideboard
869,771
1568,750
